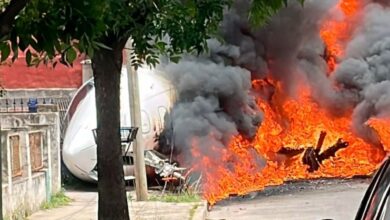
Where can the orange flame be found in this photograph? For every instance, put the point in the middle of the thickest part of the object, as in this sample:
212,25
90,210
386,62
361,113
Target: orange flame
293,123
381,126
246,166
335,33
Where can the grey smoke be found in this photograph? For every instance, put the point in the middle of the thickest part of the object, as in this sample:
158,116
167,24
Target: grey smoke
365,71
276,49
215,100
213,104
362,76
292,43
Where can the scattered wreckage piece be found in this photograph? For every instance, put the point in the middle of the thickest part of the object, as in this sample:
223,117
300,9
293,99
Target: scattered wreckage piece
163,166
312,156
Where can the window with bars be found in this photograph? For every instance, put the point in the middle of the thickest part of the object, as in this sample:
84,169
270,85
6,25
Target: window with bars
16,162
35,141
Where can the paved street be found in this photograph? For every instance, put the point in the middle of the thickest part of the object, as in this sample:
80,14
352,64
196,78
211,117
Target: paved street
307,200
337,200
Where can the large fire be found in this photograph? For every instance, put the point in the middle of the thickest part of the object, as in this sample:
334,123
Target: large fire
336,32
294,123
297,124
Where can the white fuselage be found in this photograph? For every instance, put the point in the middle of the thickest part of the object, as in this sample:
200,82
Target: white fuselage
79,147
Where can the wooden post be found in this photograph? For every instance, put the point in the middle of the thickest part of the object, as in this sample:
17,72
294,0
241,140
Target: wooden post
141,186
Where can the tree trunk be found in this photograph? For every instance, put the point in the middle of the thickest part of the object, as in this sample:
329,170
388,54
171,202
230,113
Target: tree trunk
8,14
107,66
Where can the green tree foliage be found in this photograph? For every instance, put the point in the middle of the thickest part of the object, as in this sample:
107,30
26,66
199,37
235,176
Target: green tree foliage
58,31
62,27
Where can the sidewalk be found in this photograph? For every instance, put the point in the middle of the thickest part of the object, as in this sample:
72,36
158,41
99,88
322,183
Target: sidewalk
84,207
167,211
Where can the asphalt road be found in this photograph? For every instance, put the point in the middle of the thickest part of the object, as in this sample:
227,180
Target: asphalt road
307,200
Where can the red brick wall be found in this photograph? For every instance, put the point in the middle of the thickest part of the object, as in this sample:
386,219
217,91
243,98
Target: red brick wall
20,76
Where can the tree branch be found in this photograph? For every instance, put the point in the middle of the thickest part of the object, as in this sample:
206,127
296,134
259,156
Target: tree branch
7,17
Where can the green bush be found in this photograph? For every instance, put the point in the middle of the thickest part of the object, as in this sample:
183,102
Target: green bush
57,200
177,198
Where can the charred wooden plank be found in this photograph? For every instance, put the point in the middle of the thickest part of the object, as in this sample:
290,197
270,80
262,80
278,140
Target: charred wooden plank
320,142
331,152
313,159
290,152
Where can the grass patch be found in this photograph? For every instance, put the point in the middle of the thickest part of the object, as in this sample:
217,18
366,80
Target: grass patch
187,192
57,200
176,198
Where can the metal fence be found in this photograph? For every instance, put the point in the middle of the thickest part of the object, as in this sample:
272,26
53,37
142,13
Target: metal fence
18,105
24,105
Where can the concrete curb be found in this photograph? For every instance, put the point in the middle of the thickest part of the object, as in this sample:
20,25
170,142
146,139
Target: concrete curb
153,210
200,212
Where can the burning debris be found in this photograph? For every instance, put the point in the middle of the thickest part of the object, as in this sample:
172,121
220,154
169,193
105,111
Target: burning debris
313,157
249,111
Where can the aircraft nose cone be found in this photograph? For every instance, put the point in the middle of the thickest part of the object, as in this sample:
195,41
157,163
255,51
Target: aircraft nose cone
79,153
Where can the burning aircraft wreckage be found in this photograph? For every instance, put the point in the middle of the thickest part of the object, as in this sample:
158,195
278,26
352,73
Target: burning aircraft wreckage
306,96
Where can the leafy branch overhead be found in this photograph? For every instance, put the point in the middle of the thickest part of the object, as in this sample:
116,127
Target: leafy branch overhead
62,29
48,29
